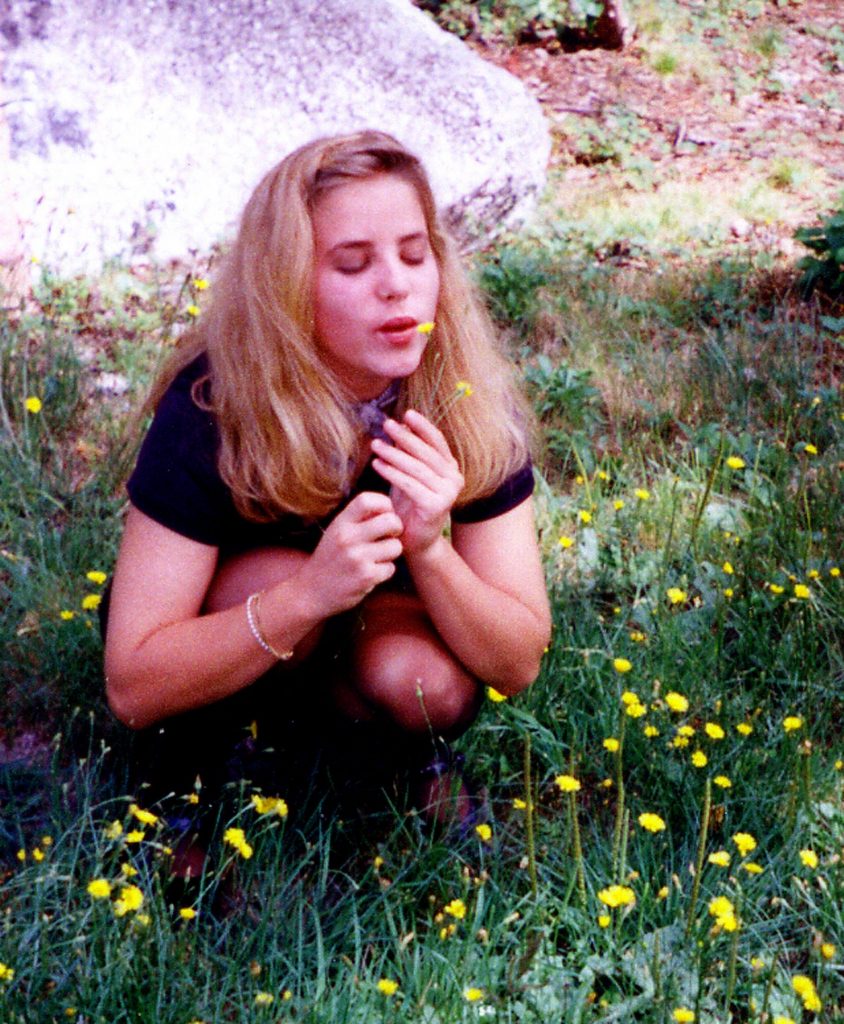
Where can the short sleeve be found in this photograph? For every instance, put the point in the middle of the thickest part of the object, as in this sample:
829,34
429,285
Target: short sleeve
512,492
176,481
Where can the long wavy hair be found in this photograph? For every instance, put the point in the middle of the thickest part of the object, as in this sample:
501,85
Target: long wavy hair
287,422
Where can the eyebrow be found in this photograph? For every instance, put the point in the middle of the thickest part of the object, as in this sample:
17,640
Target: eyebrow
364,244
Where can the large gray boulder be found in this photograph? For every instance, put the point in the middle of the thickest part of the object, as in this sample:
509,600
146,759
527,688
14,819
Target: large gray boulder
141,126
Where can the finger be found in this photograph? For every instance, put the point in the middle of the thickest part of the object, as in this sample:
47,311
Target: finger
380,527
366,505
386,550
411,464
420,494
425,429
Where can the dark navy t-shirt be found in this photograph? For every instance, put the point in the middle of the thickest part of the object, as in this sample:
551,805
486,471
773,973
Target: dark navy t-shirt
176,482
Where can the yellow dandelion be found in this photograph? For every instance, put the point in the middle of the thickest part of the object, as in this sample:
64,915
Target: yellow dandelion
387,987
722,781
621,665
643,494
200,284
699,759
745,843
617,896
519,804
677,596
128,871
744,728
495,696
611,744
96,576
99,888
131,898
637,636
686,730
567,783
66,615
676,702
618,504
728,569
584,516
33,404
650,731
483,832
809,859
802,592
456,908
269,805
752,868
144,817
724,913
714,731
426,327
792,722
835,572
565,542
720,858
735,462
192,309
6,973
187,913
828,950
805,988
473,995
636,710
604,920
651,822
662,893
135,836
810,449
90,602
264,998
463,389
683,1015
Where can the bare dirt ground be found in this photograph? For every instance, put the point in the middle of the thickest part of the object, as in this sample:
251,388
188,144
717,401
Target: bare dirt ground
769,88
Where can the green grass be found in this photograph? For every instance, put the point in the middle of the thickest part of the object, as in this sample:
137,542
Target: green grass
647,377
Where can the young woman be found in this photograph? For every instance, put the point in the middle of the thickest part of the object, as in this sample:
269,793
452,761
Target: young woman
334,497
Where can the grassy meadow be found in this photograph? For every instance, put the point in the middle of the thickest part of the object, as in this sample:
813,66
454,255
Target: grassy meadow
665,824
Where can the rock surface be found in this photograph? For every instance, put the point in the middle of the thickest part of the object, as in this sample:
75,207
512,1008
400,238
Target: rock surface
139,128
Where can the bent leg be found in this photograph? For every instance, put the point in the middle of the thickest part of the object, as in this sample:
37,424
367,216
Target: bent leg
404,672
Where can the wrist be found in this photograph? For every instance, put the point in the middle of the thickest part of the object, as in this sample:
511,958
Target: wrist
430,557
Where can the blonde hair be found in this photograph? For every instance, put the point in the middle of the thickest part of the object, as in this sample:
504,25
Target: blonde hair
286,421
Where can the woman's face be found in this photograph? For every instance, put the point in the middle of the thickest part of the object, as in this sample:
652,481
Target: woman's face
375,280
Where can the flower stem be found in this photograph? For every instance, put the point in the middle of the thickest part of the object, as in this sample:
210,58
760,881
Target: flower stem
619,805
531,843
701,853
731,974
578,850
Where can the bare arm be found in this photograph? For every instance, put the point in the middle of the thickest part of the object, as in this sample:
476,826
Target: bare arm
485,592
163,656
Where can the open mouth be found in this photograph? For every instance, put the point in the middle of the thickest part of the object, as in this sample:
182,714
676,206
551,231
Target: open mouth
398,325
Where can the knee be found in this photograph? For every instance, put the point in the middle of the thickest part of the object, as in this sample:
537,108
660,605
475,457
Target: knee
417,685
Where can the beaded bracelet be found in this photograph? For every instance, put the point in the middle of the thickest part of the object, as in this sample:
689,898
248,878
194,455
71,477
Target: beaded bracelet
253,603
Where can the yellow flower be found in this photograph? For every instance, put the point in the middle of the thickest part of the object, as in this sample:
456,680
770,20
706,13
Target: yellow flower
618,504
604,920
722,781
636,710
676,596
131,898
802,591
676,702
617,896
128,871
187,913
728,592
565,542
663,892
6,973
828,950
720,858
602,475
236,838
567,783
810,449
264,998
495,696
388,987
33,404
584,516
192,310
483,832
686,730
683,1015
135,836
200,284
745,728
813,574
745,843
611,744
724,913
99,888
447,931
473,995
426,327
66,615
679,742
456,908
519,804
651,822
804,987
752,868
144,817
835,572
629,697
650,731
775,588
727,567
642,494
699,759
734,462
269,805
91,601
113,831
621,665
782,1019
637,636
792,723
809,859
463,389
96,576
714,731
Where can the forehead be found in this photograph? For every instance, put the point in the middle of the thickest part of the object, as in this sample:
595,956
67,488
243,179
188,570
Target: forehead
371,209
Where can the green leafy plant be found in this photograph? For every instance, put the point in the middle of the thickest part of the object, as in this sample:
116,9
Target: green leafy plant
825,270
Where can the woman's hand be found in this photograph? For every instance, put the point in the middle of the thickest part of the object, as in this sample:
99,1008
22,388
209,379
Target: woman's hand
424,475
355,554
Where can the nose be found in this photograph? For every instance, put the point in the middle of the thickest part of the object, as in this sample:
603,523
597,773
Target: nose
392,282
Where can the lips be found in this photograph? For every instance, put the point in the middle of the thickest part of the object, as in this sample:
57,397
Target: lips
398,325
